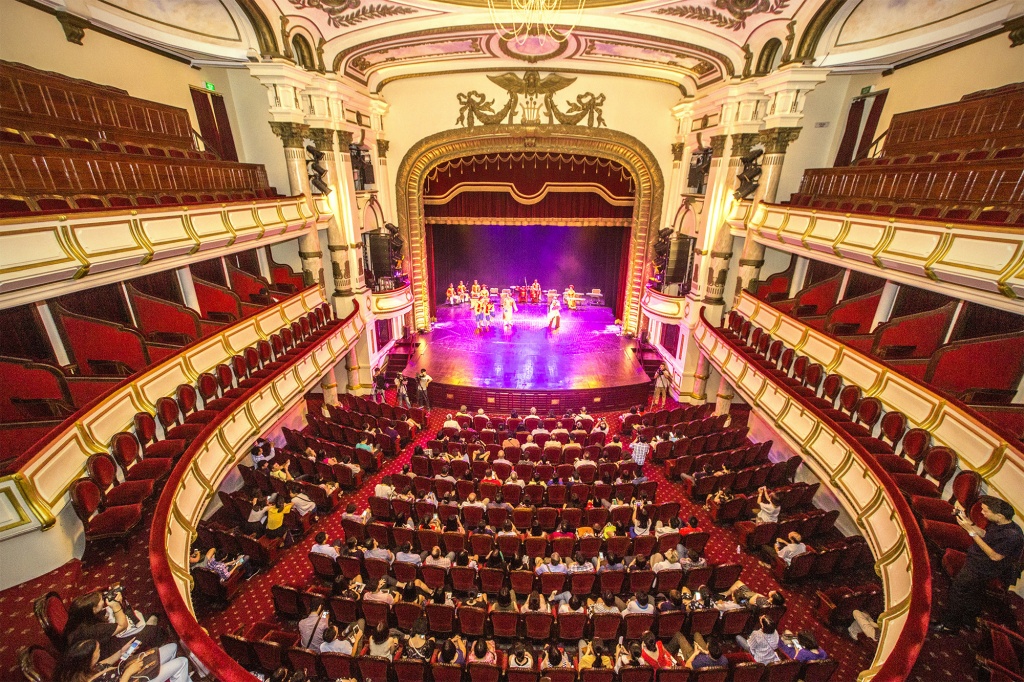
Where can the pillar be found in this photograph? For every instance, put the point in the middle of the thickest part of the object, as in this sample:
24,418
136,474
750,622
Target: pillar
337,246
329,385
383,179
885,304
293,136
50,327
723,402
721,250
799,276
264,263
188,288
350,218
352,367
700,378
776,141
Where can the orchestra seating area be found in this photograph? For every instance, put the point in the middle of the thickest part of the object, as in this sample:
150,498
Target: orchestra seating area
122,336
960,162
71,145
912,340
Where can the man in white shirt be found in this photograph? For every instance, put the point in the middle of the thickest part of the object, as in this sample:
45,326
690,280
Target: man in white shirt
669,561
322,546
787,551
422,381
769,504
463,412
641,603
556,565
384,489
311,629
350,514
406,554
472,501
450,423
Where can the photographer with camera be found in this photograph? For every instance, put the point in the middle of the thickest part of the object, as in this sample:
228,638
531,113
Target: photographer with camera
107,618
995,553
662,382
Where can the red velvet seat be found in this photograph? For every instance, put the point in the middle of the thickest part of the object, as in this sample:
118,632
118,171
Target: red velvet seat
145,432
966,488
52,615
169,414
103,471
893,426
207,386
127,452
188,401
939,464
37,663
86,498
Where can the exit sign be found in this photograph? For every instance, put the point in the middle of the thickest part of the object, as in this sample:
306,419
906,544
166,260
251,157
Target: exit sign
211,87
866,90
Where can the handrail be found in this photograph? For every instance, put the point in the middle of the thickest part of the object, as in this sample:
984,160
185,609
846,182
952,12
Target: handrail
914,607
982,445
189,488
207,147
871,151
90,428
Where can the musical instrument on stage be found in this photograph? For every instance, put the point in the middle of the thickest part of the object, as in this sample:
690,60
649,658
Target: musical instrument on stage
521,293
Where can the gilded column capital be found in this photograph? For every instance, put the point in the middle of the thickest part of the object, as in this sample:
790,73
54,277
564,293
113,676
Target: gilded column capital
323,138
742,142
777,140
345,139
382,148
677,150
292,134
717,143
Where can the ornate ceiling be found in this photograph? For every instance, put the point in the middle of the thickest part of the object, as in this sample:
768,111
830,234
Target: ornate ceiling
691,44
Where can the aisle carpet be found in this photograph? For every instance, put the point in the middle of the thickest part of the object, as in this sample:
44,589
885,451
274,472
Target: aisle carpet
943,658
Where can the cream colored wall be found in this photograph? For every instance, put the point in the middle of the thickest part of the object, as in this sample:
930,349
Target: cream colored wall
423,106
947,77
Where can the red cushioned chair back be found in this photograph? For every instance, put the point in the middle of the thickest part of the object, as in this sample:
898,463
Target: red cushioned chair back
606,625
52,616
538,625
522,581
800,367
145,427
296,328
339,666
820,671
407,670
167,412
441,617
966,487
85,498
832,385
597,675
102,470
637,624
673,674
812,376
915,444
239,366
669,623
287,601
755,337
266,352
869,411
782,671
287,337
786,359
279,347
406,614
939,463
484,672
305,660
472,620
125,448
37,664
306,329
373,667
187,398
763,343
639,673
849,398
711,675
207,386
252,359
894,425
224,376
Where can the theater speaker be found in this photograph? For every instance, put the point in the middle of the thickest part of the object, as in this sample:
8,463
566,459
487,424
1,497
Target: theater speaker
680,263
378,248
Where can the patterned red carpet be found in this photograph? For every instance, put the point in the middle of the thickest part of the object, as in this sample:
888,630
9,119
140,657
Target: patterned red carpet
947,658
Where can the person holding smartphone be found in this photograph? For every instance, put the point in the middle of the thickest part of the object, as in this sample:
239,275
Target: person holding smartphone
82,662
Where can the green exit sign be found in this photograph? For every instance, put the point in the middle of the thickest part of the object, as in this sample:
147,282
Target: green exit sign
211,87
866,90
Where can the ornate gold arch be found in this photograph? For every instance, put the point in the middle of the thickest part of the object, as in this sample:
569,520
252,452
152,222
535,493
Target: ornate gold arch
599,142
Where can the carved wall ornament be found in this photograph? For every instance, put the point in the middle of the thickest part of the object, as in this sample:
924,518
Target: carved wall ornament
291,134
350,12
530,96
677,150
741,143
777,140
717,143
382,148
736,12
322,138
74,27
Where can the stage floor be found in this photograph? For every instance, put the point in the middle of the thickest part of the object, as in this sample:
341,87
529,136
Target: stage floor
585,353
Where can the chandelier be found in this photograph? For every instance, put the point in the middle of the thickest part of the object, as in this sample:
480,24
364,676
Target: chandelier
534,19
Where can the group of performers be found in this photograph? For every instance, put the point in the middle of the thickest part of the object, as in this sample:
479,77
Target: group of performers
479,298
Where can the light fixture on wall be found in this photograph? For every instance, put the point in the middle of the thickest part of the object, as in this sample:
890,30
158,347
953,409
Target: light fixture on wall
536,19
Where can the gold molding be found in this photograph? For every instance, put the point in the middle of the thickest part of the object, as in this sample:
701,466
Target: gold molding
620,147
487,69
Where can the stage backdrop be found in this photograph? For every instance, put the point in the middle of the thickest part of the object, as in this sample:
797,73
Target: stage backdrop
588,257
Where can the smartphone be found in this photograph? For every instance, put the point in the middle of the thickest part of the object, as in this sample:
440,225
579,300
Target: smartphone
696,595
132,648
600,555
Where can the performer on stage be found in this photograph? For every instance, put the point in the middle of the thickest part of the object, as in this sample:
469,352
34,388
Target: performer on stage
508,305
554,313
449,295
475,289
535,292
461,291
479,305
488,312
571,299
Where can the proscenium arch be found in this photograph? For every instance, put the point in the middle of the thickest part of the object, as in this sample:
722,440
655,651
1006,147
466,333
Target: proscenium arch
613,145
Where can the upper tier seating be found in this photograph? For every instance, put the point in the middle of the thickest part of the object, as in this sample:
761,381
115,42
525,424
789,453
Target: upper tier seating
68,144
961,162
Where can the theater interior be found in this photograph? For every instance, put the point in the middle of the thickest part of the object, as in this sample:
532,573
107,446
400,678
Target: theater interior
779,254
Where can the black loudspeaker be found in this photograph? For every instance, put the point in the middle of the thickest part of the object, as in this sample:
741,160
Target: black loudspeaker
680,262
378,246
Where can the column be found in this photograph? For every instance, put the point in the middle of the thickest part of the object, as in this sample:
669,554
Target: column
50,327
329,385
293,136
776,141
799,275
352,367
323,138
721,250
885,304
264,263
350,218
711,219
383,179
700,378
188,288
725,394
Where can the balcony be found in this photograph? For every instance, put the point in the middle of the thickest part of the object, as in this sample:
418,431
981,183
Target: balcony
392,303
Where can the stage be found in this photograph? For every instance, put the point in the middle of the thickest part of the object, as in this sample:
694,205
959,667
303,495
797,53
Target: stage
584,362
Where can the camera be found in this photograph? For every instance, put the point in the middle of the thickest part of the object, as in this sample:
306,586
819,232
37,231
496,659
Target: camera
112,592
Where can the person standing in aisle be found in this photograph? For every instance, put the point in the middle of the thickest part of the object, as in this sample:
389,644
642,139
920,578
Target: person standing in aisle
422,381
402,400
662,382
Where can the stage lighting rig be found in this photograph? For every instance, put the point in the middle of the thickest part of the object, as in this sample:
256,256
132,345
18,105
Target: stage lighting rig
750,174
317,173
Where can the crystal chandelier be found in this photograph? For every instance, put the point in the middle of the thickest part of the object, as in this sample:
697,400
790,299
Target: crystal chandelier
534,18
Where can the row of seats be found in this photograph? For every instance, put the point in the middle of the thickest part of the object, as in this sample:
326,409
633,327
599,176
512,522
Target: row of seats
701,485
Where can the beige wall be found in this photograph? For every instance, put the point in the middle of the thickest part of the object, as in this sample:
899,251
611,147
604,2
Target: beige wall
424,106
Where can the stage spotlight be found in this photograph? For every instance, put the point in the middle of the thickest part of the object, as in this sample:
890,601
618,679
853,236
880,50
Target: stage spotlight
317,173
750,174
392,228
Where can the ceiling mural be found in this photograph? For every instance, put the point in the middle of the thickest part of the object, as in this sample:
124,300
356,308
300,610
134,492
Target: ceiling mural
346,13
616,50
728,14
361,63
203,18
876,19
